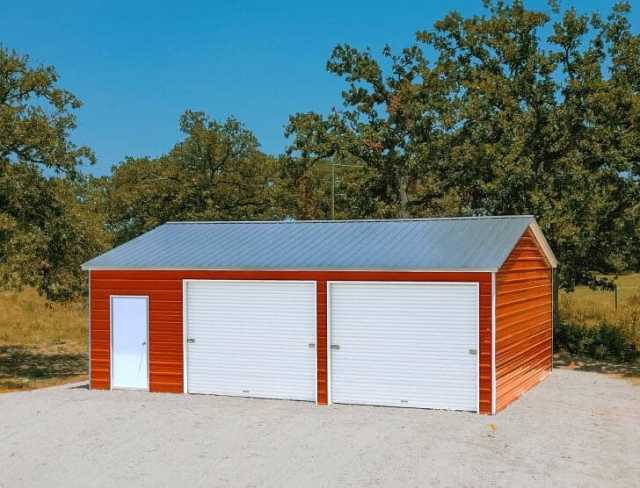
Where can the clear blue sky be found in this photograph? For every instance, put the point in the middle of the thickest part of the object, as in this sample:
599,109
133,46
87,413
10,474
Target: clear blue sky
138,65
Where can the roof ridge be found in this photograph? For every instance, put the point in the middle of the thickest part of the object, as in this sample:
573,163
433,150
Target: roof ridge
347,221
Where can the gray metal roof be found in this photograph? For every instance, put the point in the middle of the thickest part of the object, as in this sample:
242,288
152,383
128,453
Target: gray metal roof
473,243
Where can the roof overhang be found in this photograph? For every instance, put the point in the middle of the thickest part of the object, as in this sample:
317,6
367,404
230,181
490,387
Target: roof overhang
544,245
310,270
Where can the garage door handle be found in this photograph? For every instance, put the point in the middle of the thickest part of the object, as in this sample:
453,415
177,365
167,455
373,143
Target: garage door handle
335,347
312,345
191,340
473,352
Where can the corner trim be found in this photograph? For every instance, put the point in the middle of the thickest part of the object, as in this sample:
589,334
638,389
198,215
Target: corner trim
493,344
89,333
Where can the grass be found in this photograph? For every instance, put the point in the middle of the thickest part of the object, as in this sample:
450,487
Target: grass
597,334
589,307
41,343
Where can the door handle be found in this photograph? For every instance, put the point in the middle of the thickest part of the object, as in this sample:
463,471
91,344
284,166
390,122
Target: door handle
143,344
312,345
335,347
191,340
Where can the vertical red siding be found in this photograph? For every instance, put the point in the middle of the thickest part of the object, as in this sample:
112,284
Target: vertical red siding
165,326
164,289
322,362
485,340
523,321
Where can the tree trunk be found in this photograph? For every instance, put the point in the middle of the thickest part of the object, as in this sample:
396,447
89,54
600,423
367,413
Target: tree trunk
403,198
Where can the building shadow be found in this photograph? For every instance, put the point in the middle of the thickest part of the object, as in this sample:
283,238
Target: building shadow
21,365
626,370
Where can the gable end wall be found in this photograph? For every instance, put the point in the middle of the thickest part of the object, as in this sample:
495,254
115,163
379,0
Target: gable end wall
524,325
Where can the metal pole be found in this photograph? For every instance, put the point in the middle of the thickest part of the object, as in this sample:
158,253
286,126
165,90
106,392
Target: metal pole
333,182
333,191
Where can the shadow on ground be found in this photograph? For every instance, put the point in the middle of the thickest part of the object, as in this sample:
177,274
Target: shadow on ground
625,370
23,367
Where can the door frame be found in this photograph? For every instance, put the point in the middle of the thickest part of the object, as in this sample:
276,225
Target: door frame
185,317
375,282
112,350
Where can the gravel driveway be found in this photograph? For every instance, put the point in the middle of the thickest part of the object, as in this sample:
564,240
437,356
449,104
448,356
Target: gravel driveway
576,429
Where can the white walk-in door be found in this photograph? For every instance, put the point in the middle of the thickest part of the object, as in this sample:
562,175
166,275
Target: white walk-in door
404,344
251,338
129,322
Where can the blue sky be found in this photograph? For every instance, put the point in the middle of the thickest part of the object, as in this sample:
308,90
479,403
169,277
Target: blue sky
138,65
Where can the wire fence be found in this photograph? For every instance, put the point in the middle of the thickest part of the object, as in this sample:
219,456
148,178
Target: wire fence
621,295
626,294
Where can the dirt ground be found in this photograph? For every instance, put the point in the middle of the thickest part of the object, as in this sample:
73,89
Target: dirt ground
576,429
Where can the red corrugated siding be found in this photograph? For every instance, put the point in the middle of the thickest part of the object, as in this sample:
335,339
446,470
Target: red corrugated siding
523,321
164,289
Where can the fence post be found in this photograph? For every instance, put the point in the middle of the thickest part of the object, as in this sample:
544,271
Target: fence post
615,294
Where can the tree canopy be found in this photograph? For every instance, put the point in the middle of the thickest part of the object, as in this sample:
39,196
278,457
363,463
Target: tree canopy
217,172
488,115
46,229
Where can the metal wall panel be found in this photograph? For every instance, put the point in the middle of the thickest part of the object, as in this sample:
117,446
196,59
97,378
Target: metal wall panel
251,338
404,344
524,321
166,334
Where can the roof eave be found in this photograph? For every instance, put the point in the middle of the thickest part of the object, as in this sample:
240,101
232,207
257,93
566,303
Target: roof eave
379,270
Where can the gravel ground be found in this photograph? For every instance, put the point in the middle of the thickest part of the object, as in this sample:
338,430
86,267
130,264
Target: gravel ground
576,429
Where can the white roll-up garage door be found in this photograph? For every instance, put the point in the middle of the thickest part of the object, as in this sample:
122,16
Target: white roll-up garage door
404,344
249,338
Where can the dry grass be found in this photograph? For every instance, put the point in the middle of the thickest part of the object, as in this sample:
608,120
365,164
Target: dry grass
41,343
594,330
590,308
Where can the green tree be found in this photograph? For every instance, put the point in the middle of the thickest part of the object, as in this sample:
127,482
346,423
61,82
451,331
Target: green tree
501,121
323,189
217,172
393,122
547,131
43,234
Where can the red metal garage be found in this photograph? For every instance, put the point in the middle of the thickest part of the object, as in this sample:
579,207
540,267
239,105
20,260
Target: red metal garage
432,313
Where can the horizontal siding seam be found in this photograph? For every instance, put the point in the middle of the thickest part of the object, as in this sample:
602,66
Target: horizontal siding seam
532,327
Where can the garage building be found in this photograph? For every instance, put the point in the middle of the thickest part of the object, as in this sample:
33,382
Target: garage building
452,313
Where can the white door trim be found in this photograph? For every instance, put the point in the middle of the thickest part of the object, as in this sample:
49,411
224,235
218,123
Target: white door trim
185,316
453,283
111,349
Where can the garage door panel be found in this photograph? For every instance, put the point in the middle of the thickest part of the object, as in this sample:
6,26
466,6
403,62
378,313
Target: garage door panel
405,344
251,338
